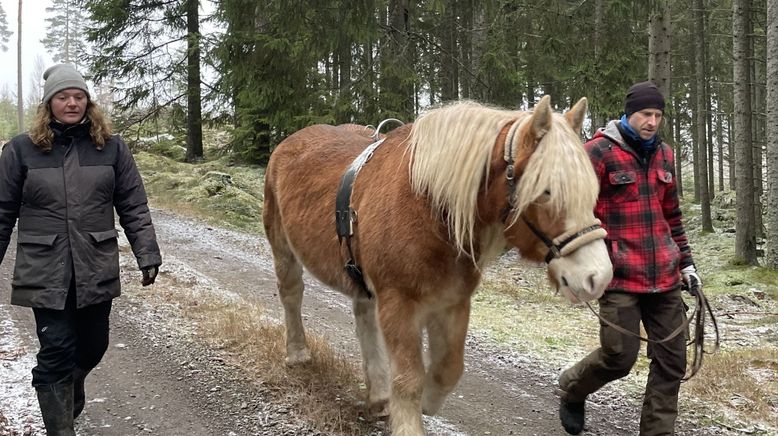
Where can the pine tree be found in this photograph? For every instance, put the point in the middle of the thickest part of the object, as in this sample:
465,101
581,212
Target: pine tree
5,34
65,39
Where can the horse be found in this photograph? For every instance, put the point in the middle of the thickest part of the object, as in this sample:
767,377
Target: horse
433,205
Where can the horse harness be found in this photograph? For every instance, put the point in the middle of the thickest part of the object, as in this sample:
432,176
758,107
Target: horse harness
346,216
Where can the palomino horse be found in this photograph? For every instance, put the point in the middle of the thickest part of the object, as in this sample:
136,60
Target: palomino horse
435,203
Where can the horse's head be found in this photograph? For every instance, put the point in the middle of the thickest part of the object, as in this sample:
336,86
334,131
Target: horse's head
553,190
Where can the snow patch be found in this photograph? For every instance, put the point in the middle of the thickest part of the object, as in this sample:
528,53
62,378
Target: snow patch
19,413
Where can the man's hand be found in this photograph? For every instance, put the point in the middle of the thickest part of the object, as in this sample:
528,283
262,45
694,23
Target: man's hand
691,280
149,275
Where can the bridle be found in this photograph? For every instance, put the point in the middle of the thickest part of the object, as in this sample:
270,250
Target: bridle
563,244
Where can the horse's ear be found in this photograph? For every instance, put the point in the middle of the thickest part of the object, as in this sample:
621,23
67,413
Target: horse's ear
541,118
575,116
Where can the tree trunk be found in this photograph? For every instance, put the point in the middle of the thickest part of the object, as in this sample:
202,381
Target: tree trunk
659,45
694,91
19,93
448,41
745,234
701,135
720,148
758,109
678,164
396,79
771,243
194,119
731,150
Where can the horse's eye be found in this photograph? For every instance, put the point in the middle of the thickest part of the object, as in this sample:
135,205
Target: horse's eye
545,198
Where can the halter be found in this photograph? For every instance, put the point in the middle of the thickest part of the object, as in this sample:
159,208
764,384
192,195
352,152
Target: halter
563,244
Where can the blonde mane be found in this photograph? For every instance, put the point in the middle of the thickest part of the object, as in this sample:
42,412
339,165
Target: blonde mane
451,149
560,166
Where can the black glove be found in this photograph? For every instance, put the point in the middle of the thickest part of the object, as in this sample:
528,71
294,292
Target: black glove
149,275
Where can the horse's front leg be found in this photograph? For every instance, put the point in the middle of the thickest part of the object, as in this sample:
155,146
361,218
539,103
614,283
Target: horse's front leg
446,330
399,319
375,362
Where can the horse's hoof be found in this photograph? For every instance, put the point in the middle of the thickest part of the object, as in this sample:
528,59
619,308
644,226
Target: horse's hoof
379,409
298,357
431,409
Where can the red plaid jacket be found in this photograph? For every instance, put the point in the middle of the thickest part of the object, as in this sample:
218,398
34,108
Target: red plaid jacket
638,206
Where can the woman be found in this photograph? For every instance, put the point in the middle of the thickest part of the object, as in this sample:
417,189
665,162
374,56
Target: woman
63,180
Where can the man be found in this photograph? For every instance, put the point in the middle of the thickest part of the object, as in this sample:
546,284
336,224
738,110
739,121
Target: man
638,206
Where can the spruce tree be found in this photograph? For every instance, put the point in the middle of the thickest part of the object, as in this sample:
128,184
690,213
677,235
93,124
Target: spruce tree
143,53
65,39
5,34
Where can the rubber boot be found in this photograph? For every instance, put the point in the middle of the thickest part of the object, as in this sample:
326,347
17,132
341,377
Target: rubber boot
572,415
56,403
79,396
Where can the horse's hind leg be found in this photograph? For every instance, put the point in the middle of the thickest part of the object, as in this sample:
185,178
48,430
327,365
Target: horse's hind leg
447,331
399,319
289,276
375,362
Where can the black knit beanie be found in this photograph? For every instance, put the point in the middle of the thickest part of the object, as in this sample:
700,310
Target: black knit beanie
643,95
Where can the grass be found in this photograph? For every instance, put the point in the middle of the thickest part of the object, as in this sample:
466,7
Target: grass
742,385
326,391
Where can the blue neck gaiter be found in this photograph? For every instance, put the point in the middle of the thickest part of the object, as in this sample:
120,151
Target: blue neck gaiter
647,144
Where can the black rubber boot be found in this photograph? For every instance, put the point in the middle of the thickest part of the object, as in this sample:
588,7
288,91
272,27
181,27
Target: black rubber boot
56,402
572,416
79,396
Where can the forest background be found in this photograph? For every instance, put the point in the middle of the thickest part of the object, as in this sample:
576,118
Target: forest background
262,70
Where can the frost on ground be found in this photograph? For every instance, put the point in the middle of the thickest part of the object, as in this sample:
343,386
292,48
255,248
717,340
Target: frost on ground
19,414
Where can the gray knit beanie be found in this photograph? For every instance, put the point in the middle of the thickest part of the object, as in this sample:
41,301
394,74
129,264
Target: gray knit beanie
60,77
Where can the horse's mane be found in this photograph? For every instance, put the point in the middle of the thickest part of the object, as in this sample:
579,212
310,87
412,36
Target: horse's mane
451,149
561,166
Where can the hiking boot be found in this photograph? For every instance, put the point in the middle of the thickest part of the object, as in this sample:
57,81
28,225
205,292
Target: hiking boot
572,415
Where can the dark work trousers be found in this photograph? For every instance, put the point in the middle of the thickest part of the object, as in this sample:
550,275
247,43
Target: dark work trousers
661,314
69,338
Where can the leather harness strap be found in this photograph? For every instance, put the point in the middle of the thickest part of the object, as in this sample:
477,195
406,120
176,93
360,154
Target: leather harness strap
345,216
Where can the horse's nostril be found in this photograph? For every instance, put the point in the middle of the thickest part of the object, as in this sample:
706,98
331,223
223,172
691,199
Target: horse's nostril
564,281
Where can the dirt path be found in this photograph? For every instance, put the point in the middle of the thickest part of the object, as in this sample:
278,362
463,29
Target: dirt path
158,379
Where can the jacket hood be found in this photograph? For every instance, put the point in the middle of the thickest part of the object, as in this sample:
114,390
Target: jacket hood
611,131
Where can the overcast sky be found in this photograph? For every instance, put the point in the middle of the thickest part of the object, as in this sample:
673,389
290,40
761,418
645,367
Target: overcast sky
33,30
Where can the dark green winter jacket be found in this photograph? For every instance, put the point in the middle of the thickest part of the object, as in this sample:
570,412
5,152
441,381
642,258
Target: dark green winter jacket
64,201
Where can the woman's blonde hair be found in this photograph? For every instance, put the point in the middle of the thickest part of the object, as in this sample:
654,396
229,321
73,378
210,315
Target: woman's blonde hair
42,135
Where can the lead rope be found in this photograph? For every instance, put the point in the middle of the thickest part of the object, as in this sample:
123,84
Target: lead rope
698,338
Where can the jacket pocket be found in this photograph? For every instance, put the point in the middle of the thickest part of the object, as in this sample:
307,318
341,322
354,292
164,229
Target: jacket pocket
104,235
105,256
623,186
38,264
663,180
